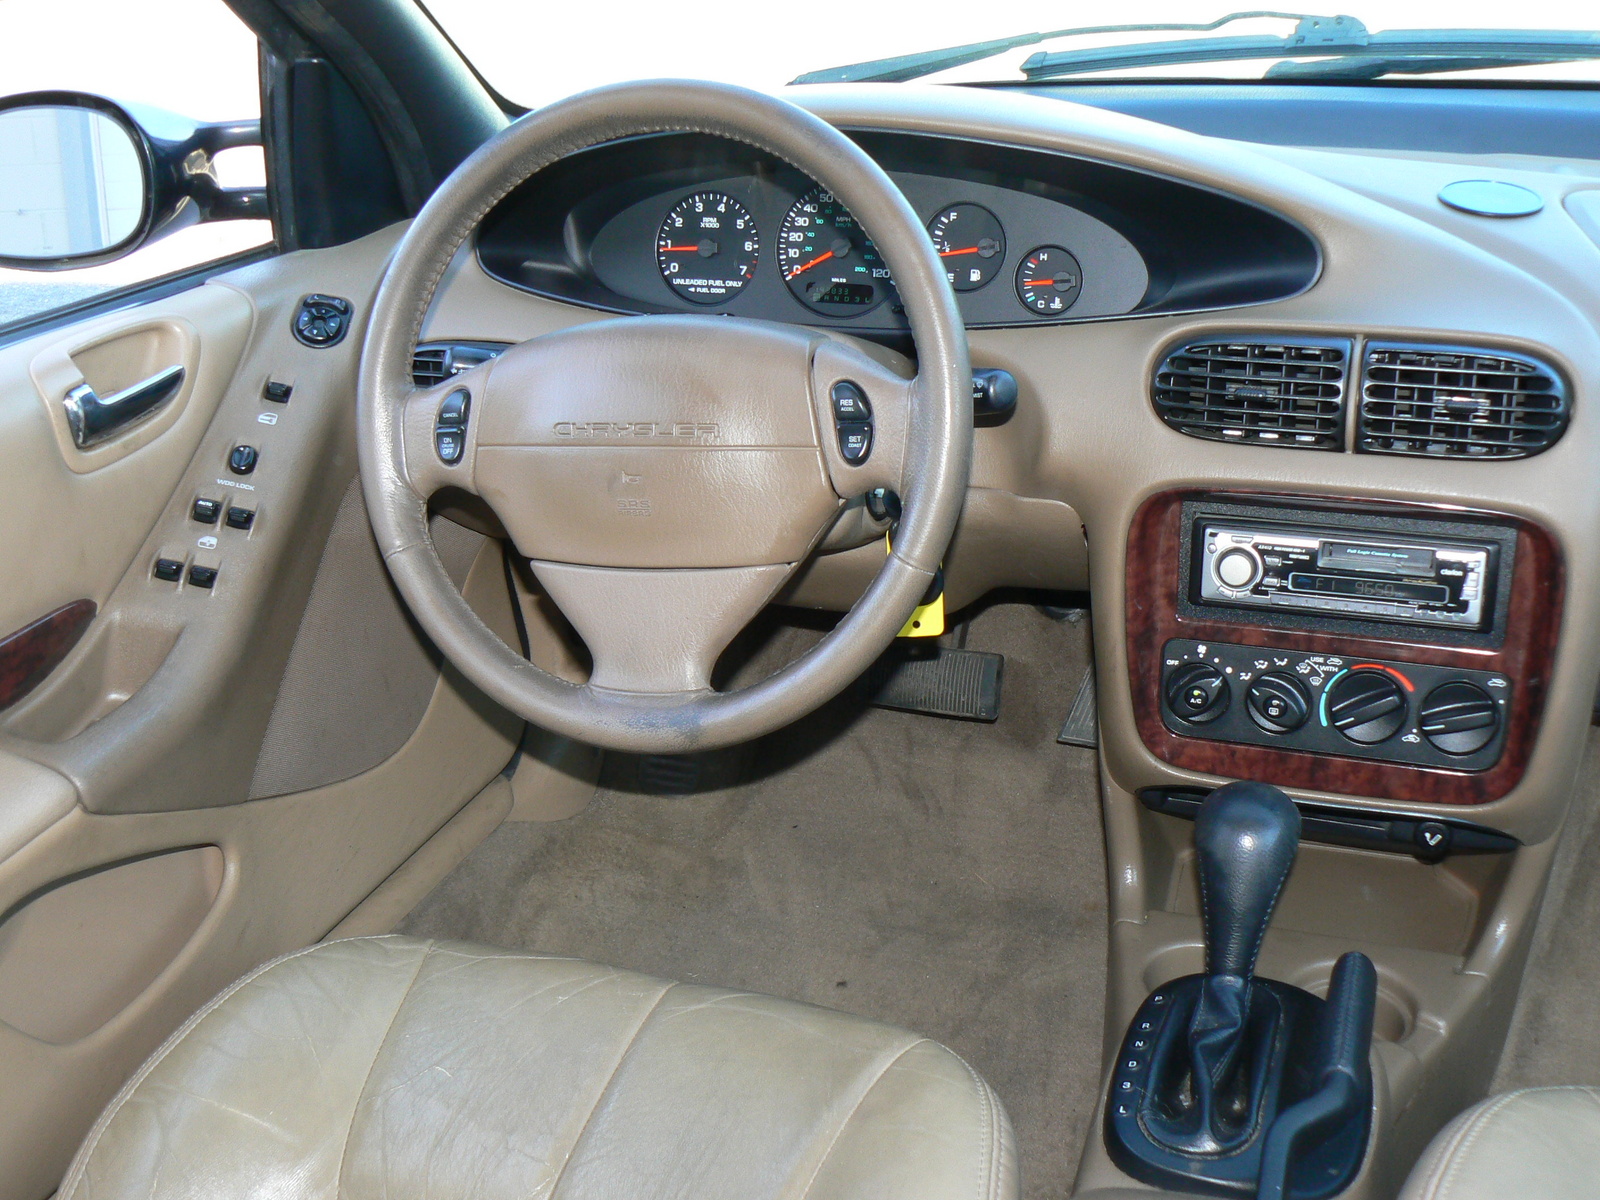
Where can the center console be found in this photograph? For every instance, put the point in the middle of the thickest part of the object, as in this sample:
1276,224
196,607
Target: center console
1382,650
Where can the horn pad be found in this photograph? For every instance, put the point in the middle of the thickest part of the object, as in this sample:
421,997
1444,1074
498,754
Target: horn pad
656,442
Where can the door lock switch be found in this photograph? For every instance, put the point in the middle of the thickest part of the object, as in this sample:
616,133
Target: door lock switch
242,459
241,518
205,510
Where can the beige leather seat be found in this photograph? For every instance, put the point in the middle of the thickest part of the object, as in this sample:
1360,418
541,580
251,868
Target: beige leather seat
400,1069
1539,1142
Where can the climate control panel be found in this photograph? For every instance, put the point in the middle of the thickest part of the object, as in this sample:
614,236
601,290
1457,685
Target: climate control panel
1332,704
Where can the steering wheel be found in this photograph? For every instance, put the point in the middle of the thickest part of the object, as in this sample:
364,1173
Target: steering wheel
664,475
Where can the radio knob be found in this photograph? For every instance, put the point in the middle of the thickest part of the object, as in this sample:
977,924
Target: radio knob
1367,706
1277,702
1237,568
1198,693
1459,718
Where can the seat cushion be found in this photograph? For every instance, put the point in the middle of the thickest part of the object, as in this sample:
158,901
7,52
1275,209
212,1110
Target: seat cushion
395,1068
1542,1142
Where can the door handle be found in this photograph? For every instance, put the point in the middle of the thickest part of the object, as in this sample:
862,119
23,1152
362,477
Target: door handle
93,420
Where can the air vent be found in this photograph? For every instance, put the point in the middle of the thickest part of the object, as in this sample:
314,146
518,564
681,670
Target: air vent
1448,402
434,362
1264,393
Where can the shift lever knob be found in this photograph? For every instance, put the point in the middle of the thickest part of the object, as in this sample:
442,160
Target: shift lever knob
1245,839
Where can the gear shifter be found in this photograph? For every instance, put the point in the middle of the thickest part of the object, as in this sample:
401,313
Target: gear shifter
1212,1060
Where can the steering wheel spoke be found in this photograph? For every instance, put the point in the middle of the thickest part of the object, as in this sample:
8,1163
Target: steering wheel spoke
658,632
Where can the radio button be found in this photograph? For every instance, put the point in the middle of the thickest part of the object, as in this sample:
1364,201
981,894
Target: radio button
1237,568
1367,706
1277,703
1198,692
1459,718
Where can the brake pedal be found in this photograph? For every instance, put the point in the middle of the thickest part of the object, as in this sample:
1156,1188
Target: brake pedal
938,681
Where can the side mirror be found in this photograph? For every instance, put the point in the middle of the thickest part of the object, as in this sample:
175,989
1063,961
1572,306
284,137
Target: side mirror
83,182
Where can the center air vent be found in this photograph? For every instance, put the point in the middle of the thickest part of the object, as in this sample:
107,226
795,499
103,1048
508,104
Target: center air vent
1447,402
434,362
1264,393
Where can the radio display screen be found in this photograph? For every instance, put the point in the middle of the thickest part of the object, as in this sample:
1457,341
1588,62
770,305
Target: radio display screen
1376,589
1364,556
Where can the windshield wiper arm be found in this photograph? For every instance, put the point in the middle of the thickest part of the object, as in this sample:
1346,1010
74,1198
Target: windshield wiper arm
930,62
1326,37
1349,67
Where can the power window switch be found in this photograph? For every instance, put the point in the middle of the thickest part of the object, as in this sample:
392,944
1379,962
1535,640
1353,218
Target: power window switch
277,392
241,518
168,570
206,510
202,577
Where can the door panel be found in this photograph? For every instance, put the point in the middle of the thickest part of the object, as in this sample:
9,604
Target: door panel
124,774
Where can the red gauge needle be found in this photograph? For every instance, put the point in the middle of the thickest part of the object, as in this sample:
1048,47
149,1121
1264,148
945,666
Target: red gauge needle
949,253
678,249
821,258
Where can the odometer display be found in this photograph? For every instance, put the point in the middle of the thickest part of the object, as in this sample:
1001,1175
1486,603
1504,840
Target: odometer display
828,261
707,248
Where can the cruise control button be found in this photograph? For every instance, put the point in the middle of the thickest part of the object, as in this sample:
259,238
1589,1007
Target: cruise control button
205,510
855,443
241,518
203,577
449,444
169,570
453,412
242,459
850,402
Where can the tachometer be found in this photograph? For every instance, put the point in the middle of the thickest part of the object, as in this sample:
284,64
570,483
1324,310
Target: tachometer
707,248
971,244
828,261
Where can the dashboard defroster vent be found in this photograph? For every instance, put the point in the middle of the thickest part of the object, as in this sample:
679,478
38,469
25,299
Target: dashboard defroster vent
1449,402
434,362
1262,393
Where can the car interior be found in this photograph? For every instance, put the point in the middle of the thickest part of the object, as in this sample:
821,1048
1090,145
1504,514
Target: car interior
936,630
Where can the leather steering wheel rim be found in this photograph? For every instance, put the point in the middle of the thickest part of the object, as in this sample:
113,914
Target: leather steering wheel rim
937,440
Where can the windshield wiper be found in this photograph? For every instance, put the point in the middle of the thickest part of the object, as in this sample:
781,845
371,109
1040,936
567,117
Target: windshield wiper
1375,68
930,62
1333,37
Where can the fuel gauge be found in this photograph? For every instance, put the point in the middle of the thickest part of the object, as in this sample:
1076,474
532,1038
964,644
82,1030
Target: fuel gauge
971,244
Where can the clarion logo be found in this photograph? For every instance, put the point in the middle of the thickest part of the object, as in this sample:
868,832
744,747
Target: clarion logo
700,431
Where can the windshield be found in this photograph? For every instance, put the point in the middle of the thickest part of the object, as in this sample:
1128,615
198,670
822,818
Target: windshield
536,53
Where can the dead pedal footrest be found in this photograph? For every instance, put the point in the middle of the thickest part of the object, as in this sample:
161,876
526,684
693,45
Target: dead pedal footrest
938,681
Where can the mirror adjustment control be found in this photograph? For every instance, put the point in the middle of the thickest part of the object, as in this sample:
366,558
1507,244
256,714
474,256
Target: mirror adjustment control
1277,702
205,510
241,518
1367,705
1459,718
1198,693
242,459
202,577
322,320
168,570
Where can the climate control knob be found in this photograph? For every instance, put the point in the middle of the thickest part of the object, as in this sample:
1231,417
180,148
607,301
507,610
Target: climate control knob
1277,702
1367,706
1198,693
1459,718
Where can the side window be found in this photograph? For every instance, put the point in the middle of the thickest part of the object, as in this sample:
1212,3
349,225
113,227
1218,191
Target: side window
192,58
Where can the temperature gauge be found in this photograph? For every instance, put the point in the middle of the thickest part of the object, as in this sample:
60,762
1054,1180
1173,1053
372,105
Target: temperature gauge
1048,281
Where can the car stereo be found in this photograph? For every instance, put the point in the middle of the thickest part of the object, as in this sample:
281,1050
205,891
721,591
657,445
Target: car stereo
1347,573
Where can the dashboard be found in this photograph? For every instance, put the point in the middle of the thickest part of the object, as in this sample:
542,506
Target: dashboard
685,223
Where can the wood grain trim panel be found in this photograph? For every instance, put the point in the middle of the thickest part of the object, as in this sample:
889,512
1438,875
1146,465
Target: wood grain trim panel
1156,577
33,651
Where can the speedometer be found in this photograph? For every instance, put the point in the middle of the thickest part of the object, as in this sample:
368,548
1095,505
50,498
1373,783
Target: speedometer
707,248
827,259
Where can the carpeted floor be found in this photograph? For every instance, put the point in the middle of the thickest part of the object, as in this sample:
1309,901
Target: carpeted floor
1555,1032
941,875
